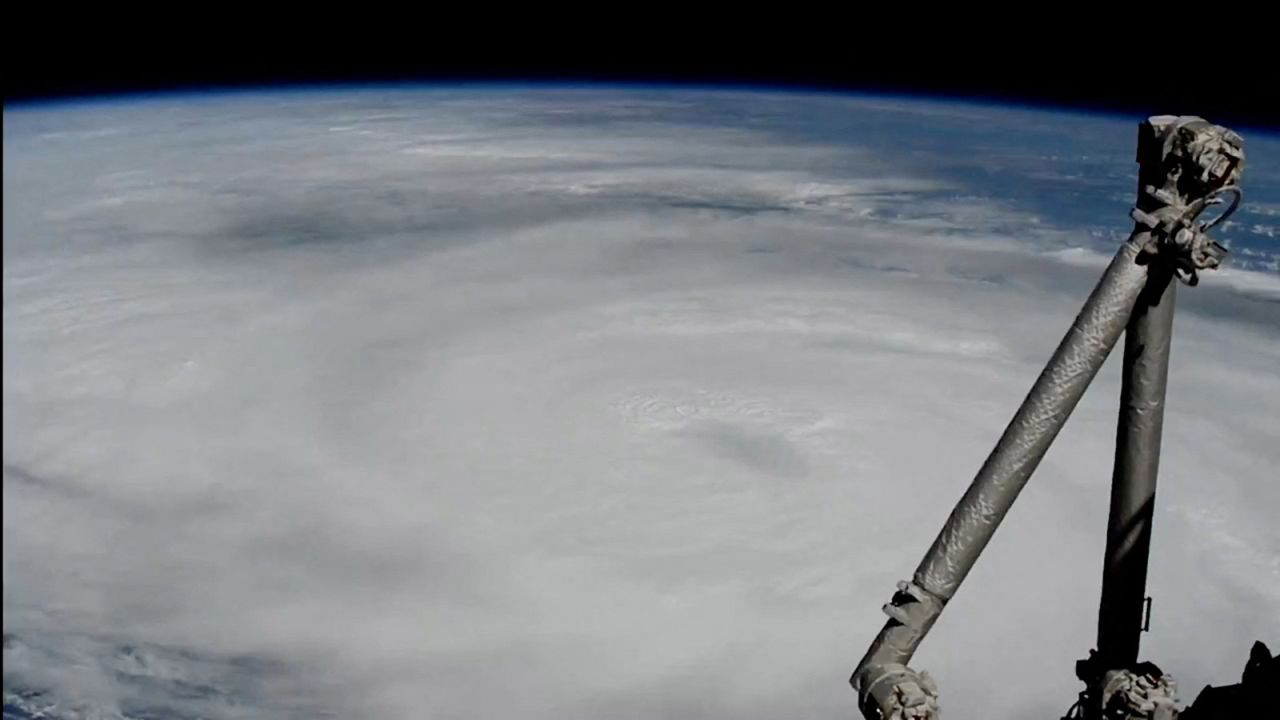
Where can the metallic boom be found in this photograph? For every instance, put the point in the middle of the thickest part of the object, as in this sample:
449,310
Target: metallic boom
1186,165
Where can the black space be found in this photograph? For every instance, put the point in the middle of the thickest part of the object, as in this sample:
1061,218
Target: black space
1121,73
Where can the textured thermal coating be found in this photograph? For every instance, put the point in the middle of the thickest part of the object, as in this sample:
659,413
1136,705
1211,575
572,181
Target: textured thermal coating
1037,422
1186,164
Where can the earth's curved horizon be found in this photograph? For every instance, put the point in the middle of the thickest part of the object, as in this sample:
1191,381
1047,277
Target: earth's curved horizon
570,401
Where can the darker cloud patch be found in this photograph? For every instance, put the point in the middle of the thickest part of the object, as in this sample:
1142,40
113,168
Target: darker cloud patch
863,264
152,680
20,476
770,453
728,208
335,216
317,223
102,502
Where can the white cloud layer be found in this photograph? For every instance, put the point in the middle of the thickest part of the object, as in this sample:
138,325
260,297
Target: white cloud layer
564,406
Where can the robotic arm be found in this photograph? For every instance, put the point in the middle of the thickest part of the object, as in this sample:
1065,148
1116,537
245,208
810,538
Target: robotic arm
1186,165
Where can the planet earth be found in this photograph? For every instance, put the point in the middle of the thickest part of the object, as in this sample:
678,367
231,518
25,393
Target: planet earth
581,402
